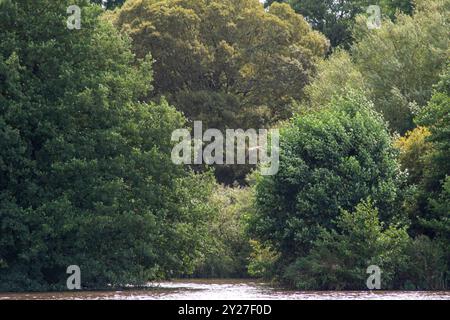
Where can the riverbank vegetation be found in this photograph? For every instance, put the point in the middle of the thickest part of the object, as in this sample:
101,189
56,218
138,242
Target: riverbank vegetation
86,118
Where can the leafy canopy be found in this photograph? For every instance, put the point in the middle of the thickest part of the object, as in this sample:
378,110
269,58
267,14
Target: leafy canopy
396,66
329,160
335,19
226,62
85,171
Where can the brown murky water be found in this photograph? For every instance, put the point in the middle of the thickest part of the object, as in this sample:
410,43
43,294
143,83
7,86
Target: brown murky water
207,289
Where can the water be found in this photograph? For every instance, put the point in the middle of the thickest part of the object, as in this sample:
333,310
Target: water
202,289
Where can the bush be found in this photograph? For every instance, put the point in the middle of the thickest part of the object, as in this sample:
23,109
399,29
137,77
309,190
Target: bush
339,258
426,267
262,260
227,249
329,160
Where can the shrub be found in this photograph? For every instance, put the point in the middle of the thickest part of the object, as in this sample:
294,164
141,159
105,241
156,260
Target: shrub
339,258
329,160
426,266
227,249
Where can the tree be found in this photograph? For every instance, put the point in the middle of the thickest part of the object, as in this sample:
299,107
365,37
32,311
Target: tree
440,207
228,63
329,160
85,171
403,60
335,19
414,149
262,260
435,116
426,267
339,258
335,76
396,66
228,248
425,153
433,193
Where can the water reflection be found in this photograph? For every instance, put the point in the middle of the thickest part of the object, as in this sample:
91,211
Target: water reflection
226,290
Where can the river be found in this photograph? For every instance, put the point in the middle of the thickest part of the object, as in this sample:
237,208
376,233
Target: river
207,289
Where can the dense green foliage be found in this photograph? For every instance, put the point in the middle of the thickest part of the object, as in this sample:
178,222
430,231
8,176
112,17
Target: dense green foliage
225,62
406,235
330,160
335,19
402,61
432,201
425,266
436,117
85,171
339,258
335,76
396,66
229,247
86,118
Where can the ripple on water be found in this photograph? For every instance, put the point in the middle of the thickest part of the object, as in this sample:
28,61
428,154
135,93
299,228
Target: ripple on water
226,290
